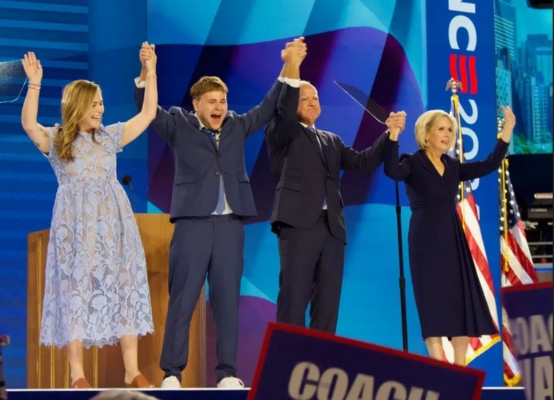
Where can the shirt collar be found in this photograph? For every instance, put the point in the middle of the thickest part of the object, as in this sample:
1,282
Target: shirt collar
201,125
306,126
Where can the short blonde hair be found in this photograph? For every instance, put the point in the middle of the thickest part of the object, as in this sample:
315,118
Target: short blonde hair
207,84
427,121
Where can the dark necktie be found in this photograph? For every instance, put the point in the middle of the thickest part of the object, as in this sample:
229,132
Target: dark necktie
220,207
317,142
320,149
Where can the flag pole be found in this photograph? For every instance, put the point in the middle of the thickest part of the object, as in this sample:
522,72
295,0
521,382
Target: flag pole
401,279
504,209
505,250
373,109
454,85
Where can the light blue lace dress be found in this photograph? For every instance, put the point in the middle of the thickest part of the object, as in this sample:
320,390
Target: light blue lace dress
96,286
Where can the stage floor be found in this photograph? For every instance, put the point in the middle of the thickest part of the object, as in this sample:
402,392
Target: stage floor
208,394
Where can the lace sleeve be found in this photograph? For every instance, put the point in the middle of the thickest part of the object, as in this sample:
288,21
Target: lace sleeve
115,132
51,134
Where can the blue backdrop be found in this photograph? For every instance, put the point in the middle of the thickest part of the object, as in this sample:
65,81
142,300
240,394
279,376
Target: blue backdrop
73,40
396,51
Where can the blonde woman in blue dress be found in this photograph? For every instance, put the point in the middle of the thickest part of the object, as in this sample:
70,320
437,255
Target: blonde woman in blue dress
96,286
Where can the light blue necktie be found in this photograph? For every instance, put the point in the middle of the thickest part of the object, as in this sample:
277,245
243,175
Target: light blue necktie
220,207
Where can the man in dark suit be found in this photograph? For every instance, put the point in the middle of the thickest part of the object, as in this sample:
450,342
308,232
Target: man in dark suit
308,212
211,195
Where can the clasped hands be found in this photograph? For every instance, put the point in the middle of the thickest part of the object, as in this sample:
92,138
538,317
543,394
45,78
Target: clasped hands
396,122
294,52
147,56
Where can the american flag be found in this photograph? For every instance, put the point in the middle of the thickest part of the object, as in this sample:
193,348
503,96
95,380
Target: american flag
467,211
516,264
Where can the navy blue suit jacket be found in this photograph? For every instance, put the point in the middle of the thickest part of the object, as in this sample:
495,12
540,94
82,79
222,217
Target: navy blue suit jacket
305,178
198,163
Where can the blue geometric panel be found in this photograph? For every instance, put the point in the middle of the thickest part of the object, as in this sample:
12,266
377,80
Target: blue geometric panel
58,33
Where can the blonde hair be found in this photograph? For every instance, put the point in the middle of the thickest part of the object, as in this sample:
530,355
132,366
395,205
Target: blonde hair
77,100
207,84
427,121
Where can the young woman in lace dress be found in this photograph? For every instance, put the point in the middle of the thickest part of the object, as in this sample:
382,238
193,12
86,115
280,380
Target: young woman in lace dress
96,289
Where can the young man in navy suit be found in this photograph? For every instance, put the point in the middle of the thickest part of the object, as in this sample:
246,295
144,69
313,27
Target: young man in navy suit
211,195
308,215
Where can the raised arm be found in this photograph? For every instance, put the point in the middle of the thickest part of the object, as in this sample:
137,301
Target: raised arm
399,170
281,128
36,132
140,122
364,161
477,169
263,113
163,123
395,169
369,159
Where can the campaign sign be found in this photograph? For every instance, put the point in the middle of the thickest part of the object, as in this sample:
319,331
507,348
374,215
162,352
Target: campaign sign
302,364
529,309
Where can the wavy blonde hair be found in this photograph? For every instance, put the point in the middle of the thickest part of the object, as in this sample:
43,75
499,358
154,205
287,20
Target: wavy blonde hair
427,121
77,100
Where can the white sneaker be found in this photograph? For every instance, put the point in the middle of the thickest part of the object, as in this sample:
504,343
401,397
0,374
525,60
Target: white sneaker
171,382
230,383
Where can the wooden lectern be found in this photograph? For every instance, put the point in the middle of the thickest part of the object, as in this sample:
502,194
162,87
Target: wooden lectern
47,367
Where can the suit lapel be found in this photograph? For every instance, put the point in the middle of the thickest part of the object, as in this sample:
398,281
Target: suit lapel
428,165
313,140
324,145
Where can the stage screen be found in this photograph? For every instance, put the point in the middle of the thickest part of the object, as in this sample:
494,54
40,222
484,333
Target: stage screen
523,46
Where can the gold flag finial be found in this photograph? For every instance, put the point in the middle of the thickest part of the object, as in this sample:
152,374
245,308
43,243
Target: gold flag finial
500,123
499,126
453,85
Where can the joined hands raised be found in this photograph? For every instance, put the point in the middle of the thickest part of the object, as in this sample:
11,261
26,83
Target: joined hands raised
295,52
396,122
148,59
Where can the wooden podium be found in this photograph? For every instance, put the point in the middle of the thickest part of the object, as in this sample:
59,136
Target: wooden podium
47,367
